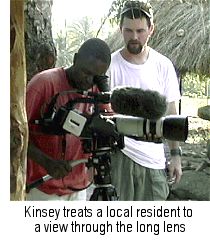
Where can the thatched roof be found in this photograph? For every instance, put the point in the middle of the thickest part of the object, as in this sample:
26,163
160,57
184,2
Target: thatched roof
182,33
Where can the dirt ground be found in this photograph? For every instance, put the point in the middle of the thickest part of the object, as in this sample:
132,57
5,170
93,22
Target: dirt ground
195,147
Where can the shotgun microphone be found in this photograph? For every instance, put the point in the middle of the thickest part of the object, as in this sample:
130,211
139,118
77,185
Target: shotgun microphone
138,102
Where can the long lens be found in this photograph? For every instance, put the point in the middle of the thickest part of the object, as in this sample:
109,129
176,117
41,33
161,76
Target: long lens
175,128
172,127
130,125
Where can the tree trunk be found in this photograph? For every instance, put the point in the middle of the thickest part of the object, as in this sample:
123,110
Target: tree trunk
19,131
31,51
40,49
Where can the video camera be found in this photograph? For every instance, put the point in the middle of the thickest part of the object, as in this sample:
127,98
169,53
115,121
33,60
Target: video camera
103,132
67,119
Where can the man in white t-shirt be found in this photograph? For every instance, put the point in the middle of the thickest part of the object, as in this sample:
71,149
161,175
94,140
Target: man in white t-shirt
138,171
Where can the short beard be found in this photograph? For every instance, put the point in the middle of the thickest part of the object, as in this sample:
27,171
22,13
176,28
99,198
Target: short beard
134,50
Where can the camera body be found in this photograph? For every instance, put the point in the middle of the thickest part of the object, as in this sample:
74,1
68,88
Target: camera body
69,120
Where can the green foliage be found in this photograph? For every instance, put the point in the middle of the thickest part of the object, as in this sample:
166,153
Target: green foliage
113,15
68,42
64,52
194,85
115,10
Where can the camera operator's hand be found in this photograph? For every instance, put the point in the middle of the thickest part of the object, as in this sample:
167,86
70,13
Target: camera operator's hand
55,168
58,168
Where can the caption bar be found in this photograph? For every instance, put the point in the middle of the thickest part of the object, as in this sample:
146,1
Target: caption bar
106,219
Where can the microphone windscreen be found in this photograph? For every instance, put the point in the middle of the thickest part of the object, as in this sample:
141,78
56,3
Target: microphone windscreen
138,102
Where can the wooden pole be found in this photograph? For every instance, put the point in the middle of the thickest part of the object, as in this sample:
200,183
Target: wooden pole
18,118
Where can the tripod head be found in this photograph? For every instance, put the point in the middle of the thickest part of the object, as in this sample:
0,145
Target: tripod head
101,163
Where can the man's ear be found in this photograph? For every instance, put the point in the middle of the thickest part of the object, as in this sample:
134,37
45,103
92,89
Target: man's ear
75,58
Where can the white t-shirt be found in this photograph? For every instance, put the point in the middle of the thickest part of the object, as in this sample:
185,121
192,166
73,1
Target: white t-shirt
157,74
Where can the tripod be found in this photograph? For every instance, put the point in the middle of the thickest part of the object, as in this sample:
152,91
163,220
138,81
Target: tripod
104,190
101,147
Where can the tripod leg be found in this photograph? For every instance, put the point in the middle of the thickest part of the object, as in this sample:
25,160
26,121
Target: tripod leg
96,195
104,194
